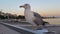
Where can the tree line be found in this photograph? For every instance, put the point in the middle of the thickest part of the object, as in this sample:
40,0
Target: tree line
10,16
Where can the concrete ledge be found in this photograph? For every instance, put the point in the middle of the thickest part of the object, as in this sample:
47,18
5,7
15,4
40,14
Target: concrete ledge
19,29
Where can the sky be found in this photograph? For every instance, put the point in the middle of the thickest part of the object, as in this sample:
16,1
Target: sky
43,7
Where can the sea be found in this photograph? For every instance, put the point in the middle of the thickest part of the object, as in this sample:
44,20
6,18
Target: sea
53,20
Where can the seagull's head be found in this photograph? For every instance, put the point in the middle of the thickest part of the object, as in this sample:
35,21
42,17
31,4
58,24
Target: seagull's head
26,6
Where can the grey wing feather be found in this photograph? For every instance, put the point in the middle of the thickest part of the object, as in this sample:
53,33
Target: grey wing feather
37,15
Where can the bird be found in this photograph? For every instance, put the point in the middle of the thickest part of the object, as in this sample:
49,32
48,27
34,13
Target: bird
32,17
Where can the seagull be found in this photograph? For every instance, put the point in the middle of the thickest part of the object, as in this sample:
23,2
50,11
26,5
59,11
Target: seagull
30,16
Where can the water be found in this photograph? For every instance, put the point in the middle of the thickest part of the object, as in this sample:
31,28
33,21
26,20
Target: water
53,21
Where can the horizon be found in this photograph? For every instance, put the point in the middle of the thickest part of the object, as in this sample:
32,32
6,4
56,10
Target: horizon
43,7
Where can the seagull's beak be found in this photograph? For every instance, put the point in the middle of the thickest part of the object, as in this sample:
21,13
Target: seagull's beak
21,6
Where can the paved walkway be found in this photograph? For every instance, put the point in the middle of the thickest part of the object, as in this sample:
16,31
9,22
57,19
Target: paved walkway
6,30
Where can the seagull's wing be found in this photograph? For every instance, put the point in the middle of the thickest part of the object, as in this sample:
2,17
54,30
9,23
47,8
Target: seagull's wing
38,19
37,15
19,29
